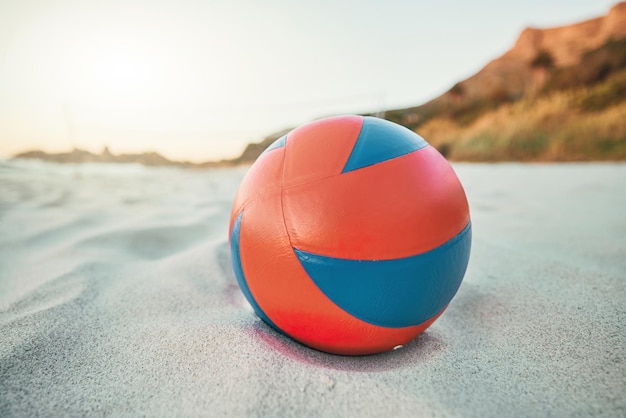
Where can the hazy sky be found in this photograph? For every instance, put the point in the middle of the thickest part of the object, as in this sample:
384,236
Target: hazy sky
200,79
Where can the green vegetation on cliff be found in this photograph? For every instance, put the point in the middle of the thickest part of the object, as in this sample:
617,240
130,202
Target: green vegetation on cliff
579,114
583,124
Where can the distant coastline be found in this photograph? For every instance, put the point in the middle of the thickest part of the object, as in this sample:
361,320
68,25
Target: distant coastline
77,156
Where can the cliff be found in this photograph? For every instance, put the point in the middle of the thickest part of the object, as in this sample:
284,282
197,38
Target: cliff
559,94
521,72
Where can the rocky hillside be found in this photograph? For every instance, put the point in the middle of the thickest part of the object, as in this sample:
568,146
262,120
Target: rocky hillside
559,94
521,72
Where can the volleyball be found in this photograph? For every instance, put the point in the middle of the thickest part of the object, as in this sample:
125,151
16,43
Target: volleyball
350,235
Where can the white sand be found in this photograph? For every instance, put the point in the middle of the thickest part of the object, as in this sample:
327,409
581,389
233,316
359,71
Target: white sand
117,298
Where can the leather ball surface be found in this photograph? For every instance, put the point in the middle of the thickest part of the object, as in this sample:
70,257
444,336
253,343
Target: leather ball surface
350,234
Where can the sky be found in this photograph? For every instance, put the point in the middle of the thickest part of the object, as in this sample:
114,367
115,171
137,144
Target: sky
198,80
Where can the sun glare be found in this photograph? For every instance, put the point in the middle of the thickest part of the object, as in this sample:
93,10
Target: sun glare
105,68
116,71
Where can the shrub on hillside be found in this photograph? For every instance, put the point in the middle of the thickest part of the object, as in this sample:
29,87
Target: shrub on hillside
543,59
605,95
595,66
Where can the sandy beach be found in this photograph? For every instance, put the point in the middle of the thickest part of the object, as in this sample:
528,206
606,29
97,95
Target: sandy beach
117,298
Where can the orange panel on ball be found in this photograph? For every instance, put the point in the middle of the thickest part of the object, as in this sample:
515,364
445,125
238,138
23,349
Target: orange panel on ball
320,149
397,208
286,294
263,178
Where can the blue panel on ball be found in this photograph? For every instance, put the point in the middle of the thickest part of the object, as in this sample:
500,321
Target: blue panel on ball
393,293
280,142
381,140
235,255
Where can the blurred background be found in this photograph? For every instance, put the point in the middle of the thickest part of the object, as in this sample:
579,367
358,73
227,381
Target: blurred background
199,81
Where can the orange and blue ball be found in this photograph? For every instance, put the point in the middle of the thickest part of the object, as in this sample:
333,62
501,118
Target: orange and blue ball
350,234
